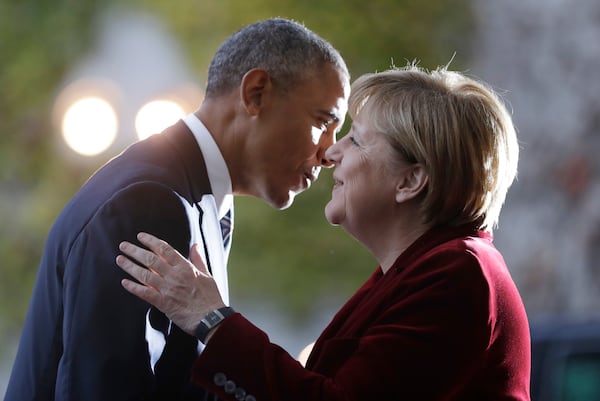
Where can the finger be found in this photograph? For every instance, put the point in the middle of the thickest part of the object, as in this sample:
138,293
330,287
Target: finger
144,257
162,249
142,275
196,259
148,294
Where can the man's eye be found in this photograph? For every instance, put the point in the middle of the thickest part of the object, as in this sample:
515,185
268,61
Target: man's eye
353,140
316,133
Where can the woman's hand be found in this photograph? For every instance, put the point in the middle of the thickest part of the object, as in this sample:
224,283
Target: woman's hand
183,291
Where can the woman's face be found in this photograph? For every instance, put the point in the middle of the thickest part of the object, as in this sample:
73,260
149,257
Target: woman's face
363,195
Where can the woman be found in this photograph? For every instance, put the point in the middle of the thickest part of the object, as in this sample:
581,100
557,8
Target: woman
419,180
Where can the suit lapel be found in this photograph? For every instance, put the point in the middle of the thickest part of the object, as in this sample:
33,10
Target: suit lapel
182,139
165,345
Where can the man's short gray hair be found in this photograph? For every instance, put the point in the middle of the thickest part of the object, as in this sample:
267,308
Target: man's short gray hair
286,49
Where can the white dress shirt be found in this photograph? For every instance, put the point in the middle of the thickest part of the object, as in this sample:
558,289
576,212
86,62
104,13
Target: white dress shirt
218,173
222,199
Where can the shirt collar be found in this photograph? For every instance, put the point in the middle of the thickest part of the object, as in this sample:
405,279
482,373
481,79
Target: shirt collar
218,173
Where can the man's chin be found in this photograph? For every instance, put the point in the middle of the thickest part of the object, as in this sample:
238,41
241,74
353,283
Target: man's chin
283,202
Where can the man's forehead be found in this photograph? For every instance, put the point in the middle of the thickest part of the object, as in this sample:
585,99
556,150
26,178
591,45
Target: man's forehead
327,93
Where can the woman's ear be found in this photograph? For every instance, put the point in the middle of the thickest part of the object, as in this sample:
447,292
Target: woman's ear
412,182
255,87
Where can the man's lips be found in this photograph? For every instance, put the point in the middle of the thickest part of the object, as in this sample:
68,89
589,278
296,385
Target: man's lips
307,181
312,174
310,177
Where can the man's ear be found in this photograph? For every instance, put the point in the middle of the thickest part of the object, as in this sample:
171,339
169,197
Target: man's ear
412,182
256,85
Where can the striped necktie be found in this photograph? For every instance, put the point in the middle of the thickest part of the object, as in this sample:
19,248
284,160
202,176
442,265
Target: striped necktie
226,229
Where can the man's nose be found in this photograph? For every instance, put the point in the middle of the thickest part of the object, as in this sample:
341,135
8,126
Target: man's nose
331,156
326,141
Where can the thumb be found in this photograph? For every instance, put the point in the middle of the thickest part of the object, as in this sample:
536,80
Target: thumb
196,259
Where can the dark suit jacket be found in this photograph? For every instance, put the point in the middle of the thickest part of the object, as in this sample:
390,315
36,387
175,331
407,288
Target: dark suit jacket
444,323
83,337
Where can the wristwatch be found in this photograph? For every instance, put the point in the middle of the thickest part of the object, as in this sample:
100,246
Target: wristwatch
211,320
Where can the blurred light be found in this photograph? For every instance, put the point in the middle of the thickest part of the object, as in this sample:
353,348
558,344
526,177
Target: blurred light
305,353
85,114
155,116
89,126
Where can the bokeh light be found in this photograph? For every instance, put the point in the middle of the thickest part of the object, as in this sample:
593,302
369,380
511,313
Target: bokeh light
155,116
89,126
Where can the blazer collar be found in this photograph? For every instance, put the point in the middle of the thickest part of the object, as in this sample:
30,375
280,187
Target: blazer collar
436,236
182,139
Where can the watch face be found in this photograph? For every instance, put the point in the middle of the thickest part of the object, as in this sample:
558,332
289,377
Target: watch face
213,318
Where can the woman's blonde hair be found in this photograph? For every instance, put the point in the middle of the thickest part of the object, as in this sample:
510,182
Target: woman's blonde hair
456,127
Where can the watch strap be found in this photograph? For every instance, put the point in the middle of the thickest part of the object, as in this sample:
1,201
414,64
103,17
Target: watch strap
211,320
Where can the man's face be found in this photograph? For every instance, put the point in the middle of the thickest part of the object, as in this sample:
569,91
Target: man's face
296,128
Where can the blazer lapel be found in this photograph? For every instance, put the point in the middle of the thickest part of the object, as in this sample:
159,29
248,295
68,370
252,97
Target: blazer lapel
182,139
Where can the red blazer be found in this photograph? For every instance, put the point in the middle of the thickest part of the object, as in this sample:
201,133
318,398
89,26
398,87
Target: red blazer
446,322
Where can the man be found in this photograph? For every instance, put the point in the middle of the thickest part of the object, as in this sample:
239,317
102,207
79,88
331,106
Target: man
276,95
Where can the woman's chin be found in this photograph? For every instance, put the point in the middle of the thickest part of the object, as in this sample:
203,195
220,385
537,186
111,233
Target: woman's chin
333,215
